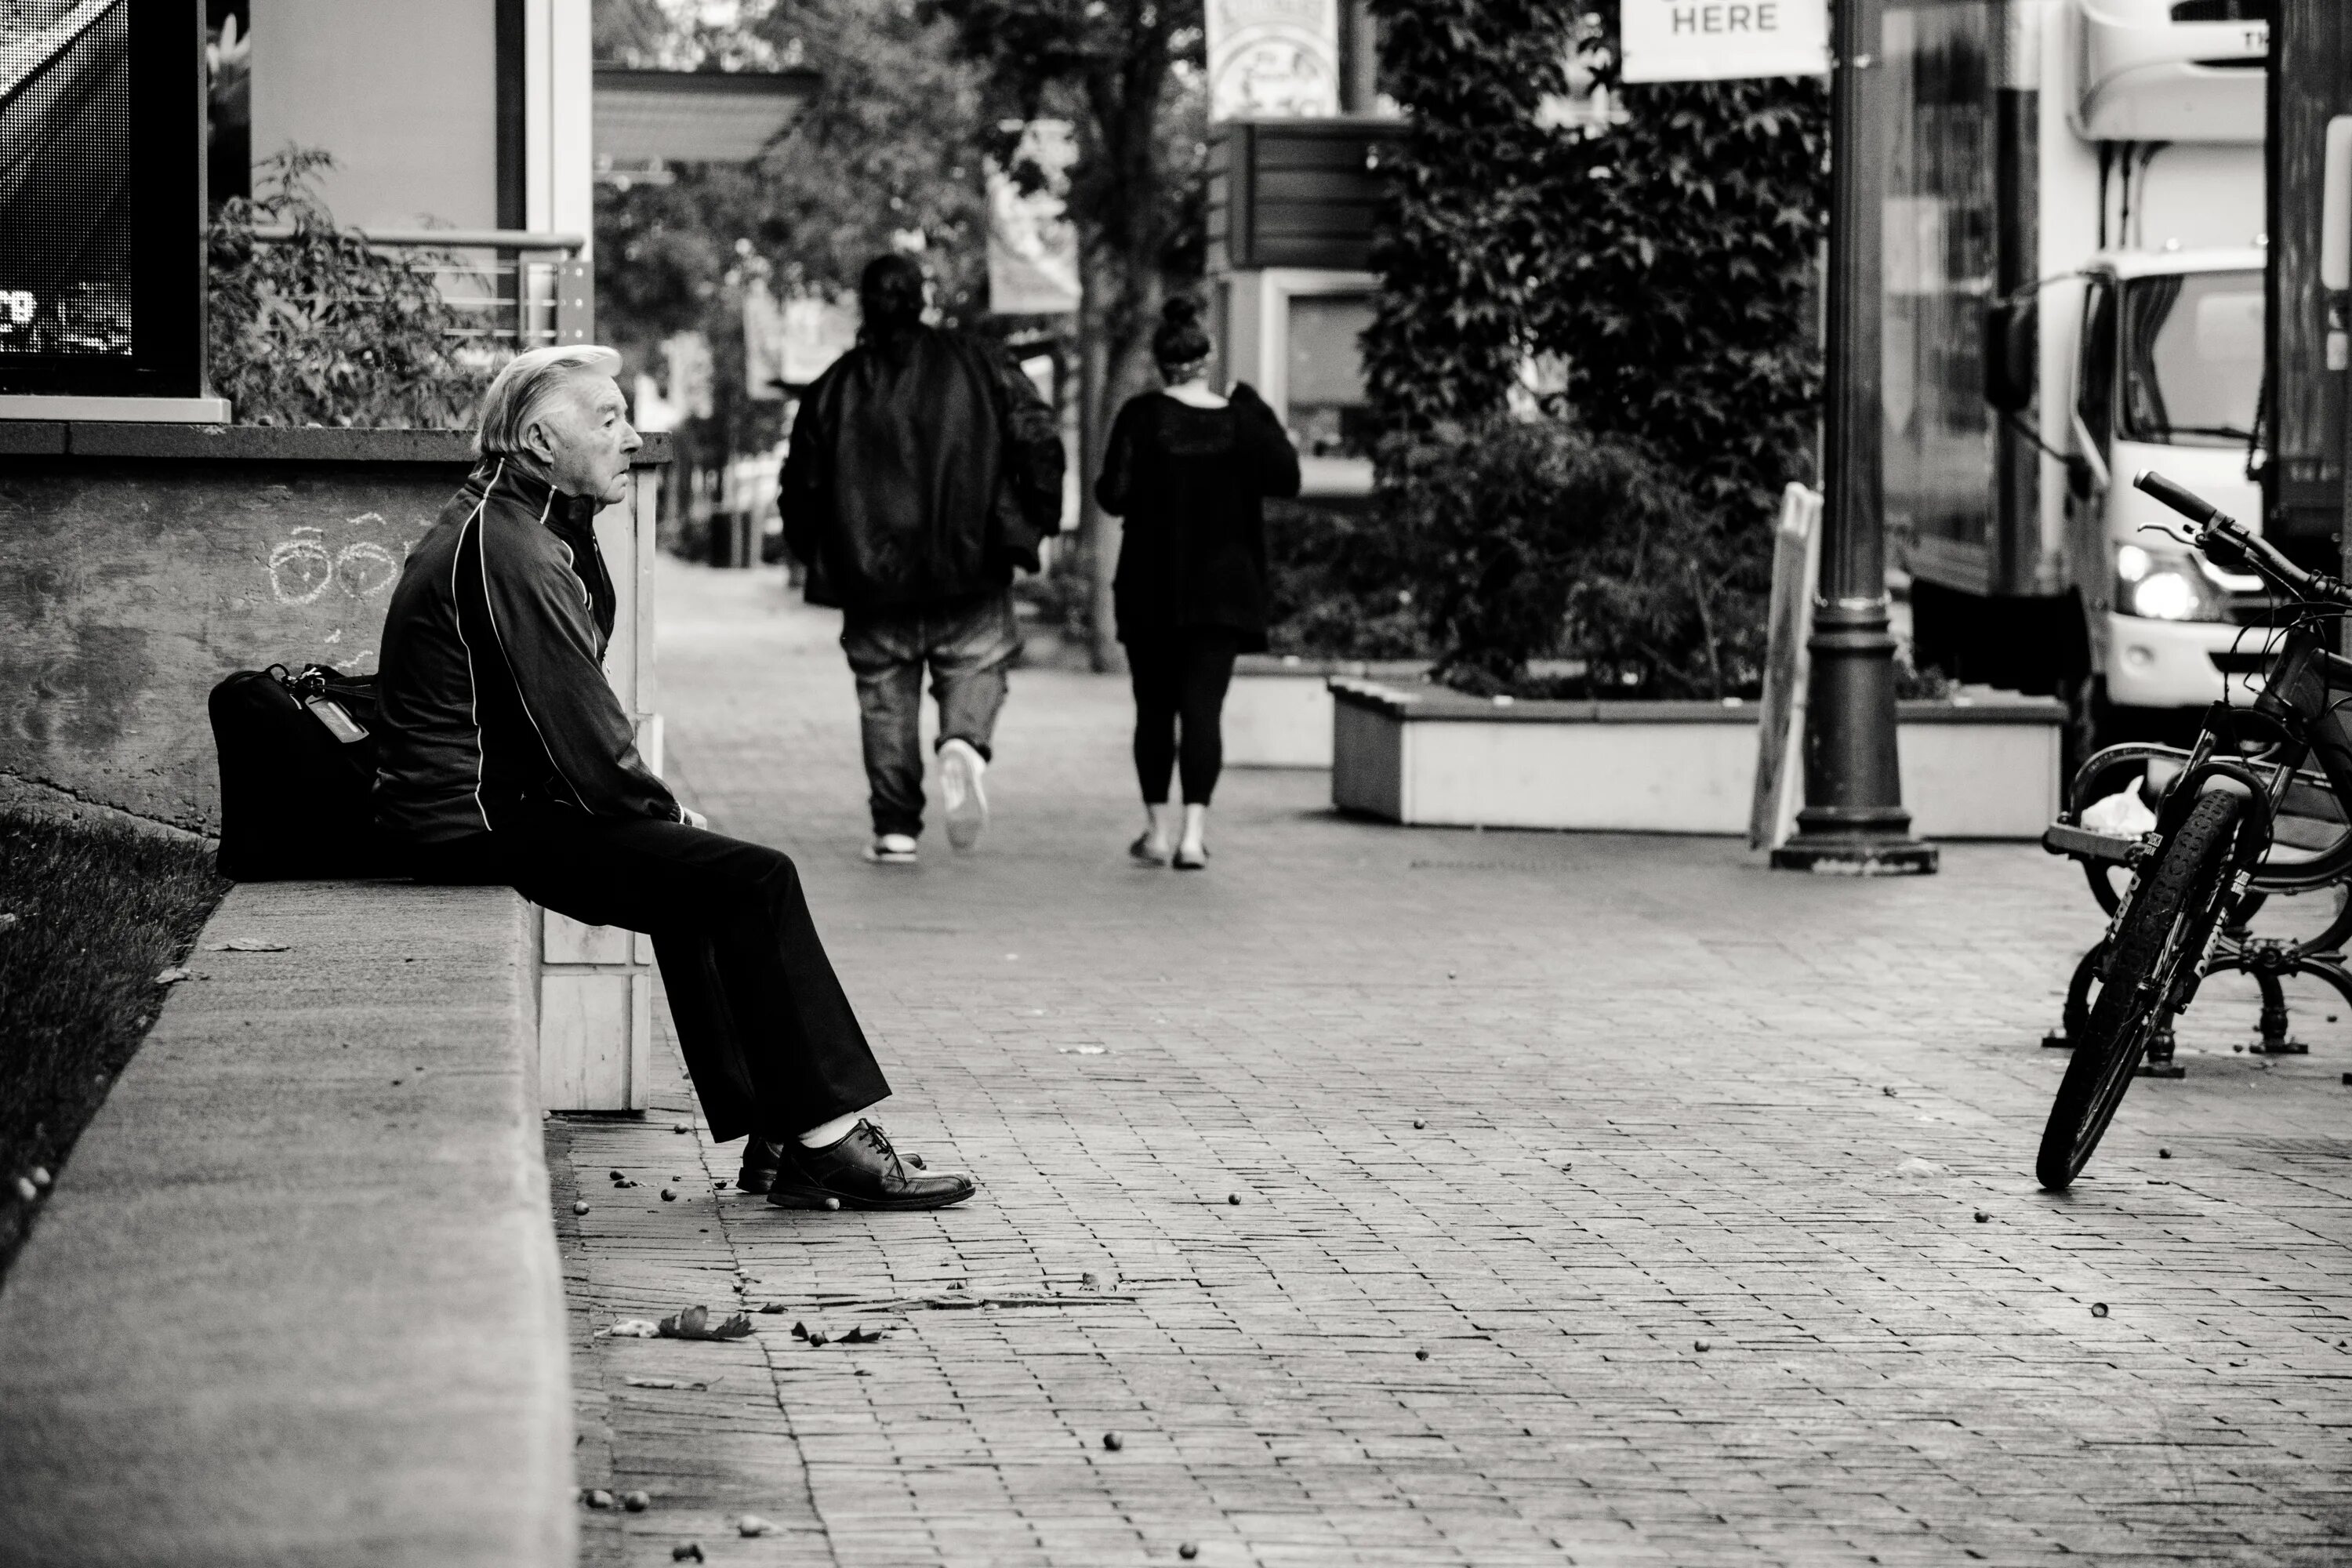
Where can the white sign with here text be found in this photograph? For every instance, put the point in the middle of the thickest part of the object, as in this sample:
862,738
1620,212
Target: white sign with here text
1716,41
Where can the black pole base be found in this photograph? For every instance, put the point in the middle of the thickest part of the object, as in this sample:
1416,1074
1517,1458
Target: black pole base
1855,854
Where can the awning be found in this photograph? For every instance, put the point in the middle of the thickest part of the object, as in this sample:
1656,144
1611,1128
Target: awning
694,117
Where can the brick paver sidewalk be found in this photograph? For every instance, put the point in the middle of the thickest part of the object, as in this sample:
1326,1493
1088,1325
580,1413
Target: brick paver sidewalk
1603,1200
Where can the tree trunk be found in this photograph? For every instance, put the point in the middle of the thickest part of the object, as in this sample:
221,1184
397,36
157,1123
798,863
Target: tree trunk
1099,532
1118,295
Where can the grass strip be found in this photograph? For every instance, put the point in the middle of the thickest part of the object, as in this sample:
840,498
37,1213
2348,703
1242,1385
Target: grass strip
90,911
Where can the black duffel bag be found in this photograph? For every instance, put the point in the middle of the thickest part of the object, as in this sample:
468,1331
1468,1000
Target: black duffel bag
297,769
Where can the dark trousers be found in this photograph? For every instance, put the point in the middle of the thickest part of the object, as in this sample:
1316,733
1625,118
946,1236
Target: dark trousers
969,645
769,1037
1179,679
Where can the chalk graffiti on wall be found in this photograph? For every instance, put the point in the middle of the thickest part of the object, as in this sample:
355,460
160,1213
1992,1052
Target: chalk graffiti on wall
302,569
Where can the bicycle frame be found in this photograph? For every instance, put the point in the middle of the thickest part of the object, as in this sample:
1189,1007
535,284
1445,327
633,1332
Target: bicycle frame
2298,709
2299,706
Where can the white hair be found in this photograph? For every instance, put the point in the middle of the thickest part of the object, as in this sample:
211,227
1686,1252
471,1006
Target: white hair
522,388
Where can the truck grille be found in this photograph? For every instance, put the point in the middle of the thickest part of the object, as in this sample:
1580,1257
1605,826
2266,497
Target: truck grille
2259,610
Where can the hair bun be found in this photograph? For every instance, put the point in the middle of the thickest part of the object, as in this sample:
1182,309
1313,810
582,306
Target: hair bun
1180,341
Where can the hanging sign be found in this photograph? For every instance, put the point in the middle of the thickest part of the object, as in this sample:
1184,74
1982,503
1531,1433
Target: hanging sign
816,332
1717,41
1273,58
1032,247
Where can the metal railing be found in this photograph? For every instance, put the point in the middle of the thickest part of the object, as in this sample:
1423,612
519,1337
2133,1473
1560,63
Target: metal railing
511,288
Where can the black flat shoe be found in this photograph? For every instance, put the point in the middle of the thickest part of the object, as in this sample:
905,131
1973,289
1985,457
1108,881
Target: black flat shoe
861,1171
1184,862
760,1161
1143,853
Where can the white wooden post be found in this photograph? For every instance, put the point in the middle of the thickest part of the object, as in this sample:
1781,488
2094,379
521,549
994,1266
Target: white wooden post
596,983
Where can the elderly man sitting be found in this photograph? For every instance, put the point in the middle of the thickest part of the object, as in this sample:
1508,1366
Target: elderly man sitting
505,758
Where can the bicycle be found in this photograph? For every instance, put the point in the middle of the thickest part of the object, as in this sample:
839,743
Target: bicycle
2195,873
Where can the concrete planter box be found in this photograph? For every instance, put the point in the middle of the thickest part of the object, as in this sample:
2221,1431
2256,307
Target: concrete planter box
1425,756
1278,709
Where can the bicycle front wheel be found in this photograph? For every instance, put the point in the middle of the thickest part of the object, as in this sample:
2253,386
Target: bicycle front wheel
2173,913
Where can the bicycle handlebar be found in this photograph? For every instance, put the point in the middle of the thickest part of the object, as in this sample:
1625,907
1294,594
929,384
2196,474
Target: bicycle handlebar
2224,538
2187,503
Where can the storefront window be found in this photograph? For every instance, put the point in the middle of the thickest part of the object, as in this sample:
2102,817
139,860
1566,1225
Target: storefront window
1326,374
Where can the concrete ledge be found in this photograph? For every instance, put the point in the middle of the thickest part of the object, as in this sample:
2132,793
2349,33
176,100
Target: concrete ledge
1278,709
297,1300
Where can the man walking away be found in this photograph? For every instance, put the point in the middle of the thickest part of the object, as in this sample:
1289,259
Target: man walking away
505,758
924,467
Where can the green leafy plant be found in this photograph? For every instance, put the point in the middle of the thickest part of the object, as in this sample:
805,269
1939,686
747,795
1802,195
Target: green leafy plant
1658,256
1663,254
1535,538
1338,586
322,328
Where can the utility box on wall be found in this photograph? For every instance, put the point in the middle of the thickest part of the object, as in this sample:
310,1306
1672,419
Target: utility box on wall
1295,192
1291,205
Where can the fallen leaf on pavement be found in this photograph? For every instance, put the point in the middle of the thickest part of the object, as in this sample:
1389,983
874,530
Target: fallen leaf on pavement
694,1323
172,976
1915,1169
248,944
635,1329
752,1524
698,1384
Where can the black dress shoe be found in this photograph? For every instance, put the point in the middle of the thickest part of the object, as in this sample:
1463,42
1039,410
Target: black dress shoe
761,1159
861,1171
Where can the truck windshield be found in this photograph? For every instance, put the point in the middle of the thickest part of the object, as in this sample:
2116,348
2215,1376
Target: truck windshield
2192,353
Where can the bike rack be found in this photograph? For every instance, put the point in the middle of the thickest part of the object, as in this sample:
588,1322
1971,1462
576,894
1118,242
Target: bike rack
2269,961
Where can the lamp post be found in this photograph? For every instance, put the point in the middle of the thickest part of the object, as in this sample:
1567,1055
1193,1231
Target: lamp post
1853,821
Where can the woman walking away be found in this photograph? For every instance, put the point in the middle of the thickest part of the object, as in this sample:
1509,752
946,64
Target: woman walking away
1190,471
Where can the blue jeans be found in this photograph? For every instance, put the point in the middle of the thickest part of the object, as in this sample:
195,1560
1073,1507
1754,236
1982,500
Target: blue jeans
969,645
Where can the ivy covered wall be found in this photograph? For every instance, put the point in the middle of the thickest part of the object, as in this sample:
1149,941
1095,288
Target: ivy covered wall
1664,262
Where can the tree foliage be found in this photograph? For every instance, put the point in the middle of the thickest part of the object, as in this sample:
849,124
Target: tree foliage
1667,259
1593,352
883,157
1127,75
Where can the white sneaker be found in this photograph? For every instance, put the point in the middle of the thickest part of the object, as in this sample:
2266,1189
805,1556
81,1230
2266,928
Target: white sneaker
960,768
891,850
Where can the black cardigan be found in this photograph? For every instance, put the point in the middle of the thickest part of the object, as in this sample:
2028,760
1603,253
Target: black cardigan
1190,483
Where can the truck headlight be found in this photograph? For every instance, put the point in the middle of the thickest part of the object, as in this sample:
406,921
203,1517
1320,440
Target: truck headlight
2165,587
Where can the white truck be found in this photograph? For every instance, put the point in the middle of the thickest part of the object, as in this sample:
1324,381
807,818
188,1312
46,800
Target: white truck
2075,287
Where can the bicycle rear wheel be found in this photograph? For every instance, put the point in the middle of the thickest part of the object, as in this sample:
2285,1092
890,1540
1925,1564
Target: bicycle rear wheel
2173,913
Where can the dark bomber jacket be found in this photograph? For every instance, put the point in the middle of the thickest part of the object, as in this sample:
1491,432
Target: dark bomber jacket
492,688
920,471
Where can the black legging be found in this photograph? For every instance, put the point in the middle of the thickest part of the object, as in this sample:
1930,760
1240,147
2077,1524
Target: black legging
1180,674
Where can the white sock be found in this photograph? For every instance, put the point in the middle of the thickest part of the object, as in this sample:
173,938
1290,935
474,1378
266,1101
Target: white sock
825,1135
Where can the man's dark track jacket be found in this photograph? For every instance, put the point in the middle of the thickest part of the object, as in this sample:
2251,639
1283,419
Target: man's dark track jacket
492,690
